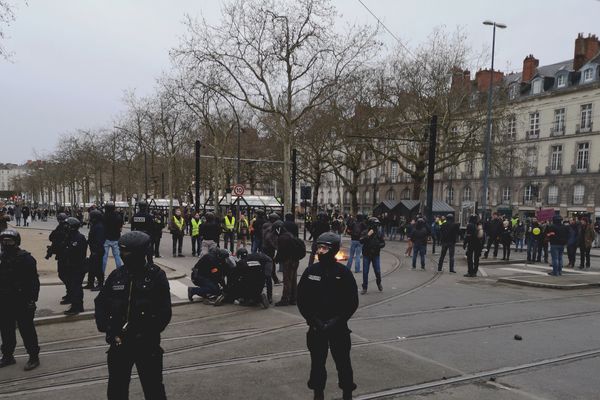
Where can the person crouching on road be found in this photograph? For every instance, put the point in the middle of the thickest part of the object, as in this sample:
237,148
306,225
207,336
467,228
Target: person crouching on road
372,243
133,308
19,290
327,299
209,276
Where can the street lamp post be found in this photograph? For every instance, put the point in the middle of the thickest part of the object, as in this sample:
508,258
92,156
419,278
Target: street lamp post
488,131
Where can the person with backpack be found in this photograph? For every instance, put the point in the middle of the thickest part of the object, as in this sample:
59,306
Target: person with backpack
290,250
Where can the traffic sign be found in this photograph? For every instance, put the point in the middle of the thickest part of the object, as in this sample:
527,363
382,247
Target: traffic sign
238,190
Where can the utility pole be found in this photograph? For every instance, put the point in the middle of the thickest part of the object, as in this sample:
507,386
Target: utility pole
197,182
294,168
431,168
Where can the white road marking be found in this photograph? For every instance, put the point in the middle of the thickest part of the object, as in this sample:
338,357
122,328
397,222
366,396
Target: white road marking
524,271
574,271
178,289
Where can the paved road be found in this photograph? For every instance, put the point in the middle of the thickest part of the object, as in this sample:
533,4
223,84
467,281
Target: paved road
426,336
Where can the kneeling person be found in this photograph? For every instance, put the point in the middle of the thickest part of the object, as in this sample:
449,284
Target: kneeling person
209,275
133,308
250,270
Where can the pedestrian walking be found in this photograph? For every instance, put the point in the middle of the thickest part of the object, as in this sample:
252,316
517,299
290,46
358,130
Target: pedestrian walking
449,232
585,240
75,265
558,236
177,227
327,299
290,250
19,290
372,242
492,229
473,244
355,228
157,228
96,240
418,237
133,308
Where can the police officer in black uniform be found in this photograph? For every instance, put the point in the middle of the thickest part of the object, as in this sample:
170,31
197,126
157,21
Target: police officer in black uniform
319,227
144,222
327,298
96,239
209,275
19,289
247,280
58,239
133,308
75,265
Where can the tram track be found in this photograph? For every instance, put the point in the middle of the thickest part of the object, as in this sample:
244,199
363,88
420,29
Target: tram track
8,389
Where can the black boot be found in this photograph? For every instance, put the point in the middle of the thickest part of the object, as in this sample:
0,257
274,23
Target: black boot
347,395
5,361
32,363
319,395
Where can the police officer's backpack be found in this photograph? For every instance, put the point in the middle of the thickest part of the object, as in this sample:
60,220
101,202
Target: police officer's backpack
298,249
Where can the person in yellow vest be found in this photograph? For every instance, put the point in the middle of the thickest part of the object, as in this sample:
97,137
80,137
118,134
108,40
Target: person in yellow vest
176,227
195,223
242,231
228,230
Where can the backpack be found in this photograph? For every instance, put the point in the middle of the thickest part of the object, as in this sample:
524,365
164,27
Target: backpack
298,248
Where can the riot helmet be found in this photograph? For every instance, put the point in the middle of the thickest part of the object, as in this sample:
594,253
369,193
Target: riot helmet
95,216
328,245
142,205
72,223
273,217
134,246
61,217
278,227
109,207
242,253
10,240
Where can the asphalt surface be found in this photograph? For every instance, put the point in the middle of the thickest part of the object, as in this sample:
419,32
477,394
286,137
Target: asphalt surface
426,336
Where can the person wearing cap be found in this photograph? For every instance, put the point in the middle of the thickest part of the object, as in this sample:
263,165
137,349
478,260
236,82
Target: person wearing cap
19,290
327,299
96,240
449,232
133,308
506,238
558,236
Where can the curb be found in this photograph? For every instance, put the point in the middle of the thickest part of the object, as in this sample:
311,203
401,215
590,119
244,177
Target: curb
86,315
560,286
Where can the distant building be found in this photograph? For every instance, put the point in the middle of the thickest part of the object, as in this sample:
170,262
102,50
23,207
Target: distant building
8,174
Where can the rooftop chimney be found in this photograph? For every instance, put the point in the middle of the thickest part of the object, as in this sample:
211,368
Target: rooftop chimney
585,49
482,77
530,64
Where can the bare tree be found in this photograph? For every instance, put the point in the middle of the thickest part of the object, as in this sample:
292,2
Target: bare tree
278,57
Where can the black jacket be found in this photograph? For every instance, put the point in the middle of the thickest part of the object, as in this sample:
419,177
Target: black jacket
318,228
210,267
472,238
257,226
291,227
355,229
210,231
96,238
449,232
146,295
75,250
19,281
326,292
57,239
372,245
142,221
557,234
419,234
113,222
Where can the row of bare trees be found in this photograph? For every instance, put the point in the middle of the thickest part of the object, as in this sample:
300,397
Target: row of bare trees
281,75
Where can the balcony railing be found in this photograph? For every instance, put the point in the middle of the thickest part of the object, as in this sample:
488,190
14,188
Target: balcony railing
533,134
557,130
586,128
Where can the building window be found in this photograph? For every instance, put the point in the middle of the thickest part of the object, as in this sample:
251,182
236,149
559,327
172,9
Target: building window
390,195
537,86
394,171
561,80
513,92
578,194
558,127
553,194
367,196
531,161
583,156
588,74
528,194
586,118
512,127
406,194
506,194
470,166
556,158
450,195
467,194
534,125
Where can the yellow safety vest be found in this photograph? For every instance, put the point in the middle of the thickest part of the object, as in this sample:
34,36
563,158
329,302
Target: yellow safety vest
178,222
196,227
229,224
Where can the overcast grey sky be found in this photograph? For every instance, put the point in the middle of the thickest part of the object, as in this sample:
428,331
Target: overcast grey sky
74,58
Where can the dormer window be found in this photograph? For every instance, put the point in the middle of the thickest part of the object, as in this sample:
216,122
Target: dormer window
561,81
588,74
537,86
